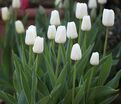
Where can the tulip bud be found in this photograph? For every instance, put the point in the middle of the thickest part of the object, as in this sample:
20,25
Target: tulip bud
86,23
102,1
55,18
94,60
19,27
5,13
38,45
108,17
60,34
51,32
16,3
76,53
71,30
92,4
81,10
31,35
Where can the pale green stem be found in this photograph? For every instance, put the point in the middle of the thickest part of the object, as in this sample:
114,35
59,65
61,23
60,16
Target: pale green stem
105,44
79,35
30,55
58,60
74,79
85,42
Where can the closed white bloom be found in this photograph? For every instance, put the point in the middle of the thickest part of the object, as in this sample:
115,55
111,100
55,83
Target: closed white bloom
108,17
19,27
55,18
60,34
71,30
51,32
31,35
92,4
38,45
16,3
81,10
86,23
102,1
5,13
94,60
76,53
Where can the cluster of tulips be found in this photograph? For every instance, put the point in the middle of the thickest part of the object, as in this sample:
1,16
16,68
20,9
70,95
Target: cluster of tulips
58,33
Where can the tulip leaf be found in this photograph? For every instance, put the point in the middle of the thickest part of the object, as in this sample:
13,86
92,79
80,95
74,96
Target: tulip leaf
105,70
115,81
7,97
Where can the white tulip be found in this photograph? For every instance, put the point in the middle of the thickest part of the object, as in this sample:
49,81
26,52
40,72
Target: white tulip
31,35
55,18
5,13
92,4
81,10
71,30
102,1
108,17
51,32
76,53
16,3
38,45
60,34
86,23
19,27
94,60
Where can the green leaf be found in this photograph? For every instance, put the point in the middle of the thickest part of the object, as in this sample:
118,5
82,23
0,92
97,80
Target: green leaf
81,65
109,100
115,81
100,93
7,97
80,94
44,100
62,76
105,70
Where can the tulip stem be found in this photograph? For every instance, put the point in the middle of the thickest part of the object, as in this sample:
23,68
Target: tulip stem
79,39
74,79
85,42
34,80
58,60
105,44
30,55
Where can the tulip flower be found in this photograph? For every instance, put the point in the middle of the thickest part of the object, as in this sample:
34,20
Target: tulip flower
81,10
76,53
102,1
108,17
60,34
86,23
94,60
5,13
55,18
19,27
31,35
92,4
16,3
51,32
71,30
38,45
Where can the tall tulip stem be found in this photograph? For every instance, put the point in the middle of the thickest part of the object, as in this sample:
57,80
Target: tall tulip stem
58,60
105,44
85,42
74,79
79,39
